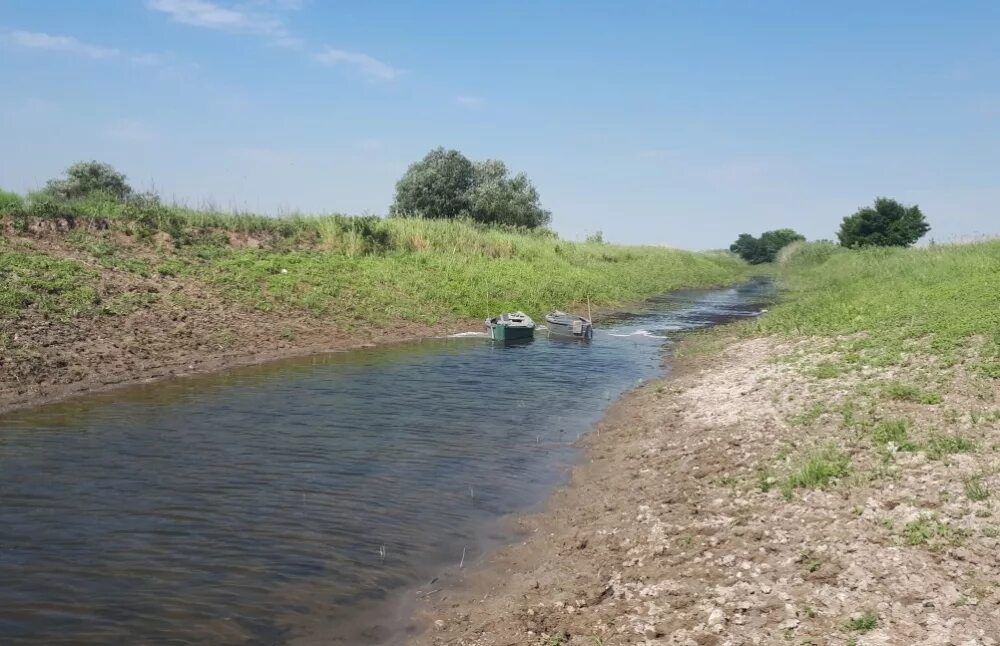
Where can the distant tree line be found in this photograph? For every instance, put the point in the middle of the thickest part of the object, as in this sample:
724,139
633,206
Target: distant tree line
765,248
887,223
446,184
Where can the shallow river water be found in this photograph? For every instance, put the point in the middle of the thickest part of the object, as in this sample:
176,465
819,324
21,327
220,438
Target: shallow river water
271,504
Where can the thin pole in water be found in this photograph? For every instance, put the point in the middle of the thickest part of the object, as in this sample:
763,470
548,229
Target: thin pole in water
589,316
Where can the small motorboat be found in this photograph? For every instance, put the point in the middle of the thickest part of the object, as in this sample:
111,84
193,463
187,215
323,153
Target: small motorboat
569,325
512,326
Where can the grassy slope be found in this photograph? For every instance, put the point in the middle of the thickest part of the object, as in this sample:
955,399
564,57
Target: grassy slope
904,349
941,298
484,275
363,271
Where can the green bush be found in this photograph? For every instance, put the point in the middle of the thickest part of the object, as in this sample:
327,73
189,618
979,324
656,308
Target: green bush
10,203
445,184
85,178
885,224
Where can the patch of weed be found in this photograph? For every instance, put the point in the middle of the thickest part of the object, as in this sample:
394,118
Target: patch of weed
810,562
866,622
941,445
847,412
908,393
61,288
895,431
809,416
764,478
975,490
828,370
929,530
816,471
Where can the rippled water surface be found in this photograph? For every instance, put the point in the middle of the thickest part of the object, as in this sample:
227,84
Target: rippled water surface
255,506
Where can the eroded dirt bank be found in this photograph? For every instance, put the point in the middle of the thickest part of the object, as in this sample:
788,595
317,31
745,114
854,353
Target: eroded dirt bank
752,499
167,326
156,345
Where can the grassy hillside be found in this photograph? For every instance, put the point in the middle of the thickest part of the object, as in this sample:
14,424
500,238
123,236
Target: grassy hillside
352,271
940,298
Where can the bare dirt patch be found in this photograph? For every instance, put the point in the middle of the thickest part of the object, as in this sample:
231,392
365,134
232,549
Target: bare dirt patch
709,511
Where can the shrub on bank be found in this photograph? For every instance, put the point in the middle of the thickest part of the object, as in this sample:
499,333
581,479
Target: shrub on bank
10,203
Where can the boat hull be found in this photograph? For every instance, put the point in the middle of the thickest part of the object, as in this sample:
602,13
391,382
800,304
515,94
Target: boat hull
576,329
506,333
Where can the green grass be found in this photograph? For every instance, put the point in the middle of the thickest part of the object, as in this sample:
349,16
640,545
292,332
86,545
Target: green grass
809,416
942,294
865,623
531,274
10,202
941,445
30,279
895,431
816,471
369,271
908,393
975,490
928,530
828,370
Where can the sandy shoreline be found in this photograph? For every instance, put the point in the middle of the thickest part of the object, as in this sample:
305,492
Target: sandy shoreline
674,529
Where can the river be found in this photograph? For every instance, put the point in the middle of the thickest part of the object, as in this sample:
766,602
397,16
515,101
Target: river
273,504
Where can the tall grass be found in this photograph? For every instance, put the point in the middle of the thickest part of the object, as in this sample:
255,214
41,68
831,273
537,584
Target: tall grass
437,270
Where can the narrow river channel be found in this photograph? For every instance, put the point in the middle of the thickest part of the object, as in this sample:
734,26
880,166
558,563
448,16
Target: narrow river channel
270,504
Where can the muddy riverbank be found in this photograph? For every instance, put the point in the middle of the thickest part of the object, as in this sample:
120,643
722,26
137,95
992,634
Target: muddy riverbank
748,500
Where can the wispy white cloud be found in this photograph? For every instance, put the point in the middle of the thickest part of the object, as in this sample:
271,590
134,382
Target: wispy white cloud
43,42
53,43
211,15
283,5
368,65
469,101
263,18
207,14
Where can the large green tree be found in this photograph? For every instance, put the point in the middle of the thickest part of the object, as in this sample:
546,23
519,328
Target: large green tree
437,186
765,248
496,198
86,177
445,184
885,224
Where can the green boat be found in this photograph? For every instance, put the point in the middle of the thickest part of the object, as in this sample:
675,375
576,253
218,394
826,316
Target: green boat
512,326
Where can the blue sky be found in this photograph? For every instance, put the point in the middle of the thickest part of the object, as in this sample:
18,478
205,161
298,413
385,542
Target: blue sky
681,123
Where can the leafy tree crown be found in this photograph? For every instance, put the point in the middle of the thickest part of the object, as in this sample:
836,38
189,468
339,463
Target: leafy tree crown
885,224
87,177
765,248
445,184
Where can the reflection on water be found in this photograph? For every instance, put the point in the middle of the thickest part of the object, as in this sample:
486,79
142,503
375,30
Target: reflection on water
254,506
